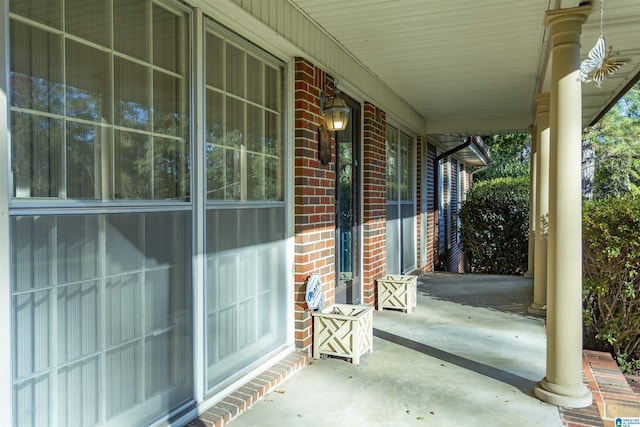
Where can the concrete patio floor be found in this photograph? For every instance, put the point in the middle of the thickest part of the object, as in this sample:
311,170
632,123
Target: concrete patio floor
468,355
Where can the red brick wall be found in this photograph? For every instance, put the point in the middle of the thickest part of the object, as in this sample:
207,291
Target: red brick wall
314,199
374,161
314,190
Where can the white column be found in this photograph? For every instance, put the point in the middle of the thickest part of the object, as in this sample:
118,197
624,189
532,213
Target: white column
563,384
539,304
533,172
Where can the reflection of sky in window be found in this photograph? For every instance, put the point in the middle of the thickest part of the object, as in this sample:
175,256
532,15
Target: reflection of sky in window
88,135
89,104
36,93
134,114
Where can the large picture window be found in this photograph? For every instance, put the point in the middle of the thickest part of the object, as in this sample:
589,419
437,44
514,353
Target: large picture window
99,100
100,290
245,239
103,226
244,122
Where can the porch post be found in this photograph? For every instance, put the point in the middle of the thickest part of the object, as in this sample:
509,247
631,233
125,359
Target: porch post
533,172
539,304
563,384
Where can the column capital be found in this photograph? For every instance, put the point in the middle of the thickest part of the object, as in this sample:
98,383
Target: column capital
577,14
565,27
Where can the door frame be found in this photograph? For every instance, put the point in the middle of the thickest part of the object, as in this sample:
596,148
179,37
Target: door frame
350,294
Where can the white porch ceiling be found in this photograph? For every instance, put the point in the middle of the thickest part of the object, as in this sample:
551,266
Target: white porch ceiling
472,67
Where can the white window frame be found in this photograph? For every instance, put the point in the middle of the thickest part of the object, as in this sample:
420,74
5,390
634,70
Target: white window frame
6,376
398,200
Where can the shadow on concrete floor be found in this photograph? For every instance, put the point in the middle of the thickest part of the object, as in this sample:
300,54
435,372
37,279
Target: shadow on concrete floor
511,294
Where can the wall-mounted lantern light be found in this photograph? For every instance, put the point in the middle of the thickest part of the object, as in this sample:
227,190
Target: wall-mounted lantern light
335,112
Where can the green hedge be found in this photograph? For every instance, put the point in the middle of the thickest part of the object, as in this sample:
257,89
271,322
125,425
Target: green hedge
495,226
611,285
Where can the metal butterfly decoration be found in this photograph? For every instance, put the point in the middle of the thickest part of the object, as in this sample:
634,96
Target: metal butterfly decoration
599,60
600,63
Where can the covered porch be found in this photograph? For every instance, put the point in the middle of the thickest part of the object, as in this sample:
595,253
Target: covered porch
468,69
201,200
469,355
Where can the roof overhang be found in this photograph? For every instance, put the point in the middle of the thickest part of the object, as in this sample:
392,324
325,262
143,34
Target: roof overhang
469,67
469,150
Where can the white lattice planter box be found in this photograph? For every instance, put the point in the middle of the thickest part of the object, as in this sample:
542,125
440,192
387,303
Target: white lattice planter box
397,291
343,330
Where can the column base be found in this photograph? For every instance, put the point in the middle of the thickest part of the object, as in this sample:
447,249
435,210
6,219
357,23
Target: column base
537,309
528,274
570,397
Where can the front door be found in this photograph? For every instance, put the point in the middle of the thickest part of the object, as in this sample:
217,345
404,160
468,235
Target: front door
348,283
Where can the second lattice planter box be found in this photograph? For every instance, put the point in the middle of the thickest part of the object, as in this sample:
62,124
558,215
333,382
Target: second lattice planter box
343,330
397,291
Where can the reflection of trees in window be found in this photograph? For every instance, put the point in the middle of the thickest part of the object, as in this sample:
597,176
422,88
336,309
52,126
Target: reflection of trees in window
84,168
88,83
149,168
392,162
406,171
36,152
223,169
244,124
168,167
399,166
112,125
132,97
131,158
170,113
257,177
36,77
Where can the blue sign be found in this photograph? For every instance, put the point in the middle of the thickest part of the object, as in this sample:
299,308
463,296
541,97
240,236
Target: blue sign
627,422
314,296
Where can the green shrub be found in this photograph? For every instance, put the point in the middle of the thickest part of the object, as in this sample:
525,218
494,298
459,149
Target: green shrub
611,285
495,226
